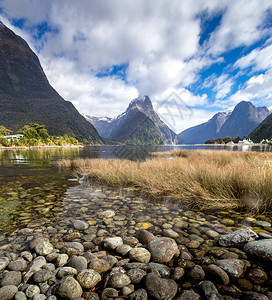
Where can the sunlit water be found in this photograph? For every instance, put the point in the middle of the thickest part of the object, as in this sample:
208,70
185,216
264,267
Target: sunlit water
34,193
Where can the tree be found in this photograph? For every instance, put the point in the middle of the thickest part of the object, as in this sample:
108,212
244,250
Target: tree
4,130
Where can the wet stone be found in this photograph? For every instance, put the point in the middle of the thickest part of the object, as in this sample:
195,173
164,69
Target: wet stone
42,276
112,243
88,278
218,274
188,295
136,275
145,236
162,269
11,278
196,274
257,276
65,271
73,248
109,294
140,255
118,280
140,294
234,267
162,249
237,237
261,248
69,288
7,292
17,265
20,296
78,262
80,225
4,261
160,288
44,248
32,290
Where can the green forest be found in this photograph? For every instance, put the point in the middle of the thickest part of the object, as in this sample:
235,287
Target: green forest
33,134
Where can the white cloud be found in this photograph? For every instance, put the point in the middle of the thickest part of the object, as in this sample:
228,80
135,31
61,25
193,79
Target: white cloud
157,40
241,25
91,95
259,59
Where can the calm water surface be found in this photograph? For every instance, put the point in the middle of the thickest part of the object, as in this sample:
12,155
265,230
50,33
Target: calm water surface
33,192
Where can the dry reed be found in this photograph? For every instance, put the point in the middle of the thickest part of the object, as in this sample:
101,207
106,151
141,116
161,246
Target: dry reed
200,178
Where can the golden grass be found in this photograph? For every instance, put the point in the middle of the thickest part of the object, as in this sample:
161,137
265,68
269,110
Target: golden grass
200,178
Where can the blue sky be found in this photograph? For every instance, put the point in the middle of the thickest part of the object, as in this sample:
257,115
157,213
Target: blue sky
100,55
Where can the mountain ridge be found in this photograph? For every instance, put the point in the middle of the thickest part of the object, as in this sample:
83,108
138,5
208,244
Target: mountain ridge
26,95
239,122
140,108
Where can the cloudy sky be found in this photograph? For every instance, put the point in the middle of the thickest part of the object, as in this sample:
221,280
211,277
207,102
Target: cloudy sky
193,58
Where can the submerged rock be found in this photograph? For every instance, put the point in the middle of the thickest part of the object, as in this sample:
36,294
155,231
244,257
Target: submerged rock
237,237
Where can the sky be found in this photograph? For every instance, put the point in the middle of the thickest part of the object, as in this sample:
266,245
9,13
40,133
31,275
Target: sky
192,58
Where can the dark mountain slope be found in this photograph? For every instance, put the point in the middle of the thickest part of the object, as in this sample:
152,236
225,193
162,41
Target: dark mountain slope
26,95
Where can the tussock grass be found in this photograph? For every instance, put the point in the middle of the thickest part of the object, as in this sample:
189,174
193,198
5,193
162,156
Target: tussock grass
200,178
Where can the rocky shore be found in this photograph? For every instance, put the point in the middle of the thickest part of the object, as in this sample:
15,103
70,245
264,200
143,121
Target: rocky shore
183,262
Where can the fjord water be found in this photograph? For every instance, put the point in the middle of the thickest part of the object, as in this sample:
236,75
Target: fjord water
34,193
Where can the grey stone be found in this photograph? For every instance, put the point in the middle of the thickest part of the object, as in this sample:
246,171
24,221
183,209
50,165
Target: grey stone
188,295
209,290
69,288
162,249
20,296
18,265
88,278
73,248
52,298
140,255
42,275
136,275
145,236
4,261
218,274
123,249
118,280
261,248
49,267
99,265
140,294
62,260
112,260
131,241
162,269
196,274
160,288
7,292
237,237
234,267
78,262
11,278
80,225
107,214
112,243
65,271
109,294
39,297
170,233
44,248
32,290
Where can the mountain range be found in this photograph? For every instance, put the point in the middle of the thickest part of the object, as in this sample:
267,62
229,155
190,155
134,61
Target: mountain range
240,122
139,124
26,95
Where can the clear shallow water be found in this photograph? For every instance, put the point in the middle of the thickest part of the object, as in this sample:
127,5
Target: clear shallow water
34,193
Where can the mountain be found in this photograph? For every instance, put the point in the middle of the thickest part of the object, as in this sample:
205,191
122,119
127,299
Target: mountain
238,123
263,131
27,96
139,124
201,133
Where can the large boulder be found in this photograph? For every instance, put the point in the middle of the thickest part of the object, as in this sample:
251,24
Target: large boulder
262,249
237,237
162,249
160,288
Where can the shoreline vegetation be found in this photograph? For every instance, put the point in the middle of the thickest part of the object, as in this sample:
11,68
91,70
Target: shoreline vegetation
200,179
33,135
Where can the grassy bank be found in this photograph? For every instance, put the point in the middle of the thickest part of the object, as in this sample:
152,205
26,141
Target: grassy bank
201,179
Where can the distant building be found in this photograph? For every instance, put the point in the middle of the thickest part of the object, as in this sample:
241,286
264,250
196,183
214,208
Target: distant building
245,142
14,136
230,143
